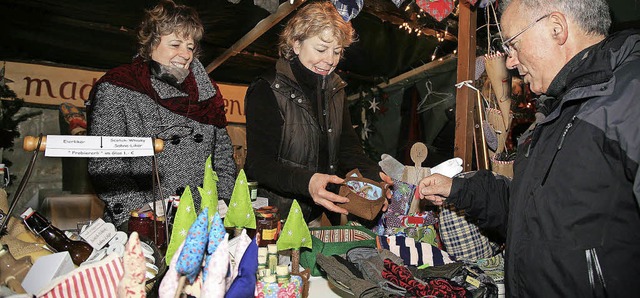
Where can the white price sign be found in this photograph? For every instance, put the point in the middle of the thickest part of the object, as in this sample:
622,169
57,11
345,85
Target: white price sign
97,146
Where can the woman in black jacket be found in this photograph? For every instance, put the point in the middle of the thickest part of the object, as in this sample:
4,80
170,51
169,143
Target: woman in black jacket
299,133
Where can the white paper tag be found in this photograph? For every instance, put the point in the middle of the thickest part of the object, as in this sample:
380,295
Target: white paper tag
97,146
222,208
260,202
161,205
99,233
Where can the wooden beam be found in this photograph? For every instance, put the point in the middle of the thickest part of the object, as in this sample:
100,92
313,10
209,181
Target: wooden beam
465,97
409,75
263,26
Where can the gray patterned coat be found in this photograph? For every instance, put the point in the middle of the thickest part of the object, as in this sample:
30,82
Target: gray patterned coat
125,183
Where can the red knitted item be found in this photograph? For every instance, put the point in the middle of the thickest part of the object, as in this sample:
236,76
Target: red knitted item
402,277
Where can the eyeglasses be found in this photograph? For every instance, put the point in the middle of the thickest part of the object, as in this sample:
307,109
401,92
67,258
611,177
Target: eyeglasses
174,134
507,46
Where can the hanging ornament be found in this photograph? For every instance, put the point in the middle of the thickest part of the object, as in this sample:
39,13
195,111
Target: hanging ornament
348,9
373,105
438,9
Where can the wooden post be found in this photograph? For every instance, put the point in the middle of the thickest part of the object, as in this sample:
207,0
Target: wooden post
465,97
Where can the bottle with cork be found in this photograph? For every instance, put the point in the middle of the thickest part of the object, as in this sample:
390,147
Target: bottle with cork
55,238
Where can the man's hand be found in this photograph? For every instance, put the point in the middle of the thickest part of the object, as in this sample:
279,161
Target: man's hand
435,188
321,196
386,182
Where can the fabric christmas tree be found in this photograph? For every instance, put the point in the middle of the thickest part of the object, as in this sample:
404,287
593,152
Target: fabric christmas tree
185,216
295,234
209,189
240,214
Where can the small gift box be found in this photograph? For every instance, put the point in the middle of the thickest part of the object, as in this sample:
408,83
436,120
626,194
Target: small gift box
366,197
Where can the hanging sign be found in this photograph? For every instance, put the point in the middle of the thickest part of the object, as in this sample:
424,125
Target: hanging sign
97,146
53,85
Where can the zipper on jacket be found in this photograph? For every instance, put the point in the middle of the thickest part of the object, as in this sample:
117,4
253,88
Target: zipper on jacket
595,271
320,104
564,134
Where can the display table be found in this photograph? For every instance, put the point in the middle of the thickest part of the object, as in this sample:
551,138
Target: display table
320,287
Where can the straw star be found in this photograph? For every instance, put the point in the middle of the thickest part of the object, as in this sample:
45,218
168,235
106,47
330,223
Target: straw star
373,105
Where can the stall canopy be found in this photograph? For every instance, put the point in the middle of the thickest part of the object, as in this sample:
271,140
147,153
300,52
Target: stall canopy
101,35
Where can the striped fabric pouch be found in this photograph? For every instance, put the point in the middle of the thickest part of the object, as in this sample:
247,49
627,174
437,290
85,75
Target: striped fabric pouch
414,252
97,280
335,240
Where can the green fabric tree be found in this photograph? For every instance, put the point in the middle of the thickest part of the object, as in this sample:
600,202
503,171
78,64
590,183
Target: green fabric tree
209,189
294,235
185,216
240,214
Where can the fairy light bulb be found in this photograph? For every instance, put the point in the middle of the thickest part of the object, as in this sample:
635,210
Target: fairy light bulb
433,56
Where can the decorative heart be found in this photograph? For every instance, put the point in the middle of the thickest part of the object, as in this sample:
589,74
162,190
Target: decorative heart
438,9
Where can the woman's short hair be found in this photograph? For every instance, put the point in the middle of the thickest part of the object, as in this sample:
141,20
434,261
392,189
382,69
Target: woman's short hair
310,21
164,19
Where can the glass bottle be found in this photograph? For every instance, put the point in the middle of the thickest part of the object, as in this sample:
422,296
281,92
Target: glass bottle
38,224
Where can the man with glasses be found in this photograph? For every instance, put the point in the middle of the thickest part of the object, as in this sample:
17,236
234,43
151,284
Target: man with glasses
571,215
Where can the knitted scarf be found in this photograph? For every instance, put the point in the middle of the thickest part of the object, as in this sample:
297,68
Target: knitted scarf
137,77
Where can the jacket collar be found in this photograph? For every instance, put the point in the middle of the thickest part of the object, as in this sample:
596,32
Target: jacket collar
593,66
284,67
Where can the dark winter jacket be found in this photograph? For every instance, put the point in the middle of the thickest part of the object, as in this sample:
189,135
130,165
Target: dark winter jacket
571,215
298,124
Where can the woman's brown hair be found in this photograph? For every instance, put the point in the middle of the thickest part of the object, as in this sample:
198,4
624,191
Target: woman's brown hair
164,19
312,20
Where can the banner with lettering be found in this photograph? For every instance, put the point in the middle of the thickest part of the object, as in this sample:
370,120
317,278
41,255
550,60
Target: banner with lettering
54,85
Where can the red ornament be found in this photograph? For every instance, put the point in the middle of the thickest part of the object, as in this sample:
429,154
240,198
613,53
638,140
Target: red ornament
438,9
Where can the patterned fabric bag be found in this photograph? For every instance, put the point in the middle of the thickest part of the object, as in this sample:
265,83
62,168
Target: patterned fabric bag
460,237
335,240
366,197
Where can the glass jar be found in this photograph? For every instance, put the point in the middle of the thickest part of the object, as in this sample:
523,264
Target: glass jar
144,227
267,225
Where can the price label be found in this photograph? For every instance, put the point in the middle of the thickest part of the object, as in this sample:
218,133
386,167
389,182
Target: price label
97,146
99,233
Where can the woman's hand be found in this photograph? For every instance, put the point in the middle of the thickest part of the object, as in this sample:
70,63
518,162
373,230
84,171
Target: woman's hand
321,196
435,188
